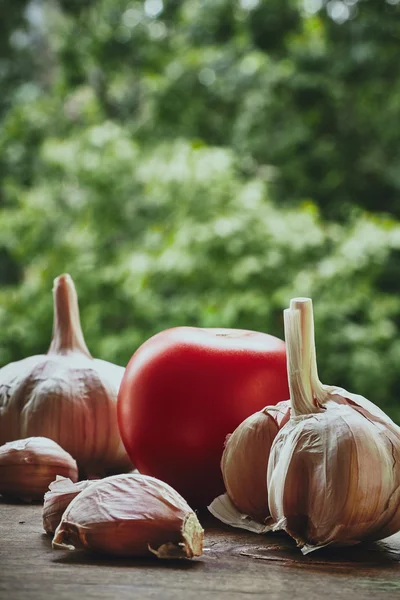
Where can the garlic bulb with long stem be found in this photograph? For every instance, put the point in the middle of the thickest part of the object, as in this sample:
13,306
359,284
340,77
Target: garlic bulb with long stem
65,395
333,475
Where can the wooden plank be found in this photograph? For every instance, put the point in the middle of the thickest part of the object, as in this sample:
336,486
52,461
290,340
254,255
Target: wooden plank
235,565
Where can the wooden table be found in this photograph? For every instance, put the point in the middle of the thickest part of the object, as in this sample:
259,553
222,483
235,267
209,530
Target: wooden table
235,565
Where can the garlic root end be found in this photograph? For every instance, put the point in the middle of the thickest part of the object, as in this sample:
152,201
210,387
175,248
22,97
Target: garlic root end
192,534
66,537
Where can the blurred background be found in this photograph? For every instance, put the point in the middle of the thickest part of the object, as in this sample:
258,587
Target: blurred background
200,163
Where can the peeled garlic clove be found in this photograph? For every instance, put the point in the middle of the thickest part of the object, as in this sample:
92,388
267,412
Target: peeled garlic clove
66,395
28,466
332,473
62,492
131,515
244,467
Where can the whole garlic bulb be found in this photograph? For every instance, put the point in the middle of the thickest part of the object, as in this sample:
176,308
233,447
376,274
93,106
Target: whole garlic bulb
333,474
28,466
247,452
61,493
65,395
131,515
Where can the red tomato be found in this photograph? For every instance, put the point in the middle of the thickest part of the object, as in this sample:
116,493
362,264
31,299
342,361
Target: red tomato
184,390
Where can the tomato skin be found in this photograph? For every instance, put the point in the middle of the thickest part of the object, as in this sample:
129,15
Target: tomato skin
184,390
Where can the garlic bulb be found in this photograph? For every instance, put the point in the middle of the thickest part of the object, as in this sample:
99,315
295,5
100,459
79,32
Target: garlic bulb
244,467
333,474
247,452
61,493
131,515
65,395
28,466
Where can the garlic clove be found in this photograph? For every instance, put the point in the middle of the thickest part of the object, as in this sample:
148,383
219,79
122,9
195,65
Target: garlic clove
66,395
249,444
130,515
244,466
61,493
245,460
28,466
332,475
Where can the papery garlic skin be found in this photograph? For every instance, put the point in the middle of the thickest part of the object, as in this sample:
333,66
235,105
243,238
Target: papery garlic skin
61,493
28,466
223,509
131,515
249,444
333,476
302,356
66,395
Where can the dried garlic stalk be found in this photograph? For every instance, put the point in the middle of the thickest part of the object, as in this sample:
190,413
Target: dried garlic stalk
131,515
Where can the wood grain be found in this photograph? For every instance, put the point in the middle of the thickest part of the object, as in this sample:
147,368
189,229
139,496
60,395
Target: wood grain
235,565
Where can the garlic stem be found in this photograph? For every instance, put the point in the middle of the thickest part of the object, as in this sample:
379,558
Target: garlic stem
306,390
305,306
67,331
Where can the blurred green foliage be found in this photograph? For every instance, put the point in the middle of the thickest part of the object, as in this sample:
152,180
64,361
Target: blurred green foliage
200,163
